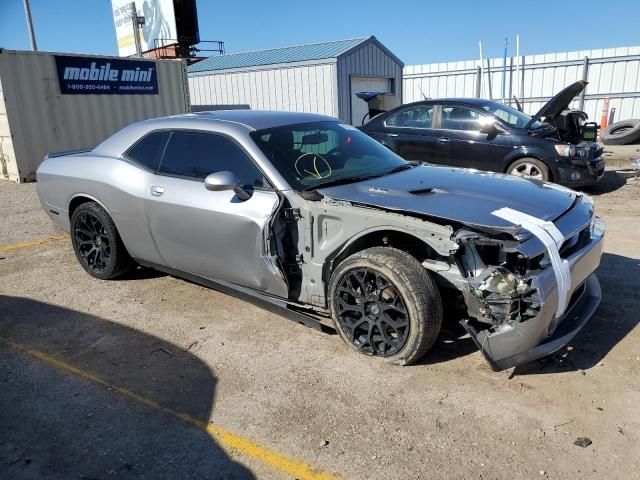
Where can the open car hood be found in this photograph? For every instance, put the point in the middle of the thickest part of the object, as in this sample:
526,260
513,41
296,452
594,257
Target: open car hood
559,102
457,195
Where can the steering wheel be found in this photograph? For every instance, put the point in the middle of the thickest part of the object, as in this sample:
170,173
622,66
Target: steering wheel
313,166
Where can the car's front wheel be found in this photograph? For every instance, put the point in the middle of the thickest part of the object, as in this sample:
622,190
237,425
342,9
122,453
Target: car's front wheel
529,167
97,243
385,303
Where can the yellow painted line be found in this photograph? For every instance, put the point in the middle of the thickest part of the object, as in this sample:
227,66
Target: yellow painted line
226,439
12,247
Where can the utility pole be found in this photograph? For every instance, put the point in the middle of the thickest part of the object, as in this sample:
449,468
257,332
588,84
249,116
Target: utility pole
32,36
137,22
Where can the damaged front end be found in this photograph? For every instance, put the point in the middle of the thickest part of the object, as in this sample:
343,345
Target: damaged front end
519,306
502,298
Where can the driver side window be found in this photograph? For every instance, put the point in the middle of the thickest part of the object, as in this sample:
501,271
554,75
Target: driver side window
195,155
460,118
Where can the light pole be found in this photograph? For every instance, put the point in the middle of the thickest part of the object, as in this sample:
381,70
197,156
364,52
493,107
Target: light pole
32,36
137,22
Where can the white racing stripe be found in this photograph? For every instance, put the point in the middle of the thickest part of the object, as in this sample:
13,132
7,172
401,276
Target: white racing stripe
552,239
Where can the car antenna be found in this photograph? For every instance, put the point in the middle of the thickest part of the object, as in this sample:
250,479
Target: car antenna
423,95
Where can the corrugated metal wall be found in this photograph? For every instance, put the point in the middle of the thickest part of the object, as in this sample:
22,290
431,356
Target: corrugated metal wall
611,73
366,61
302,88
8,166
42,120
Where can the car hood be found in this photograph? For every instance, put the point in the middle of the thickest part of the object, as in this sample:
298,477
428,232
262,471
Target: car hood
559,102
458,195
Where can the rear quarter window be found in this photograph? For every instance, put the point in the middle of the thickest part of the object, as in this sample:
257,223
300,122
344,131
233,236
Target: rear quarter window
148,151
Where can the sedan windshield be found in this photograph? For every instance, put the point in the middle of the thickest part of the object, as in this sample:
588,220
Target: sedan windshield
312,155
509,115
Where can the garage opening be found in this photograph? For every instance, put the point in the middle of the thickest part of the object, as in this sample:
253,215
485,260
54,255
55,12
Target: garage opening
366,84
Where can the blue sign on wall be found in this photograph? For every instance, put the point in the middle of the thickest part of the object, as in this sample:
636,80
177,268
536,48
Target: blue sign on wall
106,76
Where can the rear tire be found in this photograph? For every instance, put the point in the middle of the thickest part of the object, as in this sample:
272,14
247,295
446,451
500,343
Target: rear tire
97,244
385,303
530,167
621,133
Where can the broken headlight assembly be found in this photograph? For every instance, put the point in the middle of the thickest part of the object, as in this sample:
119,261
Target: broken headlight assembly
597,228
500,292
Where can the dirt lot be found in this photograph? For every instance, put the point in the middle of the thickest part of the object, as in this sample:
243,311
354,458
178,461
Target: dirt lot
155,377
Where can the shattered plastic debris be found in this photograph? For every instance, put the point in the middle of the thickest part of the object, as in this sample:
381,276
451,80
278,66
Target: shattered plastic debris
499,281
583,442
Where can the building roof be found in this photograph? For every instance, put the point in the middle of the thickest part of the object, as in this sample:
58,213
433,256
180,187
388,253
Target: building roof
293,54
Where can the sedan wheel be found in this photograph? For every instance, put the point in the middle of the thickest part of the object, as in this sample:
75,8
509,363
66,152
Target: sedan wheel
529,168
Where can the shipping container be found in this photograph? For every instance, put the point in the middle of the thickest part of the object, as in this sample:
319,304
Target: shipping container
48,103
316,78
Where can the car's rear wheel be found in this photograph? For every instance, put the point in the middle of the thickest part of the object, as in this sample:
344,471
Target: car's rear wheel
385,303
97,243
529,167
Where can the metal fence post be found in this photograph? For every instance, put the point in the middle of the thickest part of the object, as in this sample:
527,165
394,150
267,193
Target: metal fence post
585,74
522,81
489,79
511,81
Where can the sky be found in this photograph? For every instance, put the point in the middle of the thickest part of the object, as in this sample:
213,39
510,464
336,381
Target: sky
416,31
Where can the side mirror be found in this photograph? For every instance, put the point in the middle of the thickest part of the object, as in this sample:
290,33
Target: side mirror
225,180
490,127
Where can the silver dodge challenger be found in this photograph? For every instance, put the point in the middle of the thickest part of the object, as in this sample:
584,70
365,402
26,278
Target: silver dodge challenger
308,217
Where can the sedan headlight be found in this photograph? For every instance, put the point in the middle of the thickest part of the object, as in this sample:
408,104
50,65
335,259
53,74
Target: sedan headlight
566,150
598,227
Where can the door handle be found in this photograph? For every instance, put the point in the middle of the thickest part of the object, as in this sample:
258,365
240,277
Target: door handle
443,140
157,191
392,134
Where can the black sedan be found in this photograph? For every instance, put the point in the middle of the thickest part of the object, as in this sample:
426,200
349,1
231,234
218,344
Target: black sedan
487,135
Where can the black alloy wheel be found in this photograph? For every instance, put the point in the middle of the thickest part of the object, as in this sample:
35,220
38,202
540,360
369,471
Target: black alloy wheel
384,303
93,243
372,312
97,244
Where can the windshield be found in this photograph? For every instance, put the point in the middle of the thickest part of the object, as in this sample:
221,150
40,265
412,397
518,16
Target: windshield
310,155
510,115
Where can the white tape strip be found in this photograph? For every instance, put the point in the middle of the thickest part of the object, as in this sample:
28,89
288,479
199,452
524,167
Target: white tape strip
552,239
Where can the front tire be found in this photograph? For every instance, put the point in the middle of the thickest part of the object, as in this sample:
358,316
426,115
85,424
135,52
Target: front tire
97,244
530,167
385,303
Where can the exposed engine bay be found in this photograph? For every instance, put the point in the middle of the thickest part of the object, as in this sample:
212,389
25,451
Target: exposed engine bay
570,126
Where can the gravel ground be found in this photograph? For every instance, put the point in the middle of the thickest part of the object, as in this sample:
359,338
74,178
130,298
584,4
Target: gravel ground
294,390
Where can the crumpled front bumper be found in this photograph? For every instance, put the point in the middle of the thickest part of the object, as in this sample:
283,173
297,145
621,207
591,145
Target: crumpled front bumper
543,335
589,172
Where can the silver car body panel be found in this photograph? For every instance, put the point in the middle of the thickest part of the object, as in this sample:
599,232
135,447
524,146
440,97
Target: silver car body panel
448,193
213,235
